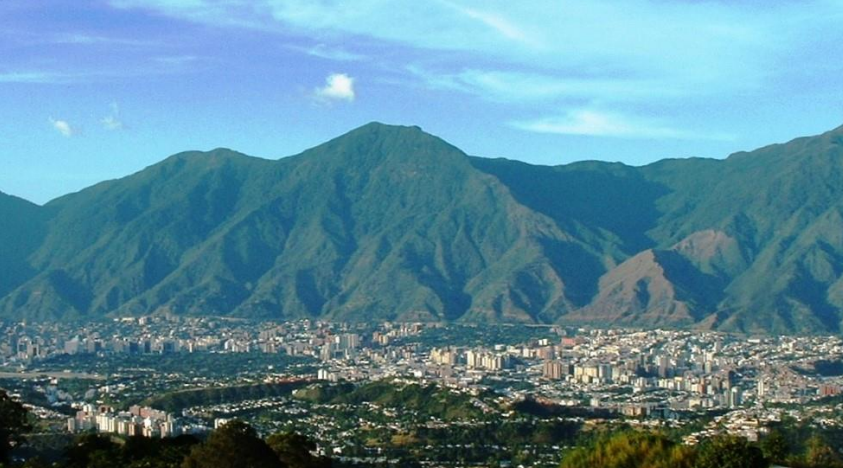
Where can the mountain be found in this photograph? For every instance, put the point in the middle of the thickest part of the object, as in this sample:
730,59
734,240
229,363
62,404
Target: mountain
391,223
382,223
21,231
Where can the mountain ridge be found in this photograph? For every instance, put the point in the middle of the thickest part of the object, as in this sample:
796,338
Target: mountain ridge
391,223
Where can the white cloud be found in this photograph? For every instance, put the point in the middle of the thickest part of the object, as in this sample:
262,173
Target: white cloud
112,121
338,87
590,122
63,127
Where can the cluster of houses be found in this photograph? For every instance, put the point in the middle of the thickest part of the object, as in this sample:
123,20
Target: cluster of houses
138,421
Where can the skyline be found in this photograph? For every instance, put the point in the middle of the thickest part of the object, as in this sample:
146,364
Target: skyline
99,91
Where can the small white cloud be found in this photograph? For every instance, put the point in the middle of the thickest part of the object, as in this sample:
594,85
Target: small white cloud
112,121
63,127
338,87
607,124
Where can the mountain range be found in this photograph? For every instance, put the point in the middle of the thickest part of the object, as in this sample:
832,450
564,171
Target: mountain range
392,223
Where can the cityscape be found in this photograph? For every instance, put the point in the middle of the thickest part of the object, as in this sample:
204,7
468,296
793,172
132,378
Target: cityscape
98,376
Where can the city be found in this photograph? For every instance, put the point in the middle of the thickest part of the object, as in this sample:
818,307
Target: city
145,376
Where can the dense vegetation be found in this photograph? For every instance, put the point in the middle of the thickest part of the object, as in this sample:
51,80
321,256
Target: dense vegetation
176,401
649,450
427,401
234,445
390,223
13,423
630,450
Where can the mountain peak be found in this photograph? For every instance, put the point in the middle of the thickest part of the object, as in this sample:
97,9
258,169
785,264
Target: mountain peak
376,143
380,132
376,126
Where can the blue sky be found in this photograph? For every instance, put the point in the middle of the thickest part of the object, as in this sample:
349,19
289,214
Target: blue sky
98,89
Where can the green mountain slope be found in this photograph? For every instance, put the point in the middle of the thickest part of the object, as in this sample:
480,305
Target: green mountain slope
381,223
391,223
21,231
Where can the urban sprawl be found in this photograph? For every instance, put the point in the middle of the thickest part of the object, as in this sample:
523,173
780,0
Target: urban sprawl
651,378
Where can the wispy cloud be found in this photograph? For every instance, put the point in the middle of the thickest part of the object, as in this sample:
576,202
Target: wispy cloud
704,46
526,87
338,87
63,127
496,22
175,60
150,66
112,121
329,53
589,122
36,77
95,39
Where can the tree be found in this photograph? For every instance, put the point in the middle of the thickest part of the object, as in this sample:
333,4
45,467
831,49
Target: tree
159,453
629,449
234,445
13,423
728,451
775,446
294,450
820,455
91,450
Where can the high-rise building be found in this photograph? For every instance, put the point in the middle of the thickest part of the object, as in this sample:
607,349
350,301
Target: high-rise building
553,370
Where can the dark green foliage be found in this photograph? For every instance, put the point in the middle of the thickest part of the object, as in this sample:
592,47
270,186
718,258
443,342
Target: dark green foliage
176,401
324,393
775,446
101,451
532,407
13,424
426,400
632,449
827,368
294,451
390,223
92,451
818,454
234,445
142,452
804,444
729,452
